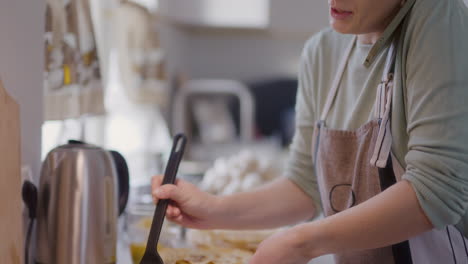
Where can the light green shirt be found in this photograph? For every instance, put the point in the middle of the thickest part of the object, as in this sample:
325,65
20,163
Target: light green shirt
430,105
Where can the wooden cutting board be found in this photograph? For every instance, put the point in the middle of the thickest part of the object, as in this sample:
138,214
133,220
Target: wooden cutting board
11,221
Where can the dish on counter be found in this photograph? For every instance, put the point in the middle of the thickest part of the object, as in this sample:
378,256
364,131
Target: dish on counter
248,240
204,256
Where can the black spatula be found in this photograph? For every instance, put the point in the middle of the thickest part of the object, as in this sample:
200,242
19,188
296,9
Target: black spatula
151,255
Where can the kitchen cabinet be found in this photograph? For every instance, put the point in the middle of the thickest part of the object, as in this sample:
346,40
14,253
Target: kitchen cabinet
203,51
292,17
248,14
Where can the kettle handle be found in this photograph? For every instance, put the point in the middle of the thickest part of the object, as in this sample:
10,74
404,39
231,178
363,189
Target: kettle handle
123,178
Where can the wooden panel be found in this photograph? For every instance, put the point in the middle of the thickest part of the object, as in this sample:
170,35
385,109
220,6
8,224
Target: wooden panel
11,230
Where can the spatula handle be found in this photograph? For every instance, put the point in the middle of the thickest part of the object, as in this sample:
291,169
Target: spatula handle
170,173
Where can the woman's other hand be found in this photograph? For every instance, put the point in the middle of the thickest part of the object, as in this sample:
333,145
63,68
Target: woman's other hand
189,207
286,247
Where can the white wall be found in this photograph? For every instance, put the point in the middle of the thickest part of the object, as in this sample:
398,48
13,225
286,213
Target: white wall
21,67
298,17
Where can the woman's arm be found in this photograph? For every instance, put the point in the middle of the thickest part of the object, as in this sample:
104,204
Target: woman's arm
388,218
276,204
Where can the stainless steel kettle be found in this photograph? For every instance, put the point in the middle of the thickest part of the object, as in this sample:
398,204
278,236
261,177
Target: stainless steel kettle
83,189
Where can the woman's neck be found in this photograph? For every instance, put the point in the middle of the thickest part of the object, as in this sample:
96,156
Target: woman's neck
369,38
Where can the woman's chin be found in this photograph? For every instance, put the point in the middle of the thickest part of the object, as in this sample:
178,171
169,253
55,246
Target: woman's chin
341,27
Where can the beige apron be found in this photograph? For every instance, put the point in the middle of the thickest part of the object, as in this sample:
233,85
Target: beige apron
347,178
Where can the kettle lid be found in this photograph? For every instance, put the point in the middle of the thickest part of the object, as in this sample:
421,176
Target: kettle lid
77,144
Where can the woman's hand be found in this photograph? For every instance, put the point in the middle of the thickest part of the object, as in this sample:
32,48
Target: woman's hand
189,207
286,247
276,204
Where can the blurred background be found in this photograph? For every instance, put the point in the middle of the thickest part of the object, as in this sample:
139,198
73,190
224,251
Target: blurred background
127,75
223,72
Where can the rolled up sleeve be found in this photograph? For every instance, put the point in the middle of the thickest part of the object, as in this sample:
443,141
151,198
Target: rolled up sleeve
300,169
437,112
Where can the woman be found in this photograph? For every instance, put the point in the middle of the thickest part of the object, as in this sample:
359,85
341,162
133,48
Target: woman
383,91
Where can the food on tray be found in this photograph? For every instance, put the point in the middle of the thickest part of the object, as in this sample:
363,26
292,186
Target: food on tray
204,256
245,240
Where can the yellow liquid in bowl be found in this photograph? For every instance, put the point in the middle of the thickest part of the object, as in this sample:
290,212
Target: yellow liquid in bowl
138,250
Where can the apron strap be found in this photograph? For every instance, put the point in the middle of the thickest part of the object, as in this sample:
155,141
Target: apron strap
386,35
337,81
385,90
382,111
382,157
